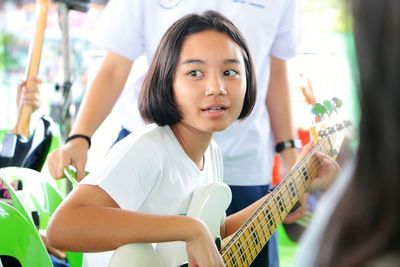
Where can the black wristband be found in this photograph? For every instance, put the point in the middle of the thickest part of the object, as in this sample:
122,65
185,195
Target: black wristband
74,136
279,147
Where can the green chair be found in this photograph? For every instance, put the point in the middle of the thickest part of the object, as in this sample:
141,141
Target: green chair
74,258
20,239
287,248
38,194
2,133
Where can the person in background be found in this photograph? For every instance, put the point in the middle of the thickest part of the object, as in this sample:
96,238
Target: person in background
357,223
248,146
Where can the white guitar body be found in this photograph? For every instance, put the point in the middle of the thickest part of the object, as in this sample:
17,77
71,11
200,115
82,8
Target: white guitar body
208,203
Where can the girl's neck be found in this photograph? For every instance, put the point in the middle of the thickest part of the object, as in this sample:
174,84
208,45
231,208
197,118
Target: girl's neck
193,142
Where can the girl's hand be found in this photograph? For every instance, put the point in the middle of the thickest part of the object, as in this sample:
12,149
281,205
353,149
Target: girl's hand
328,171
327,174
201,248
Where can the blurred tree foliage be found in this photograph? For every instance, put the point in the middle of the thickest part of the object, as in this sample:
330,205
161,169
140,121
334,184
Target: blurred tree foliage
325,15
8,61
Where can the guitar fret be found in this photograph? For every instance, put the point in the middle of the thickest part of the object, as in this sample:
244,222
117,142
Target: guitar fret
263,235
232,259
250,246
304,173
243,254
292,189
280,204
244,241
255,242
254,235
269,218
237,255
227,258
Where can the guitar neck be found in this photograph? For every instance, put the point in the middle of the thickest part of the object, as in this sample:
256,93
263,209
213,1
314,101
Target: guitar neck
35,50
248,241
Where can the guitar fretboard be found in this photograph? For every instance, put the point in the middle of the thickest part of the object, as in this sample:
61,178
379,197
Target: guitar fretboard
248,241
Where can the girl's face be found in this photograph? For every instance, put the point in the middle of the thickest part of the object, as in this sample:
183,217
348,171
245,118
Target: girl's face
210,81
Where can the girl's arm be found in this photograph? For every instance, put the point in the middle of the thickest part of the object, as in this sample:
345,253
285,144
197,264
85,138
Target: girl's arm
90,220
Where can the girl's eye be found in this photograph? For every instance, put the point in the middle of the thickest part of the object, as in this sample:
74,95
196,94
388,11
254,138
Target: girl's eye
230,73
195,73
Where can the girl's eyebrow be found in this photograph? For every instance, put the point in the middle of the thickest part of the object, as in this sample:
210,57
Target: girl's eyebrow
190,61
232,60
199,61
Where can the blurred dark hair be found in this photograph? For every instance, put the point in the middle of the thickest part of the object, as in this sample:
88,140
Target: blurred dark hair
156,101
365,224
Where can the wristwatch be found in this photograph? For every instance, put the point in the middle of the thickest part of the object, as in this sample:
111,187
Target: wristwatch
293,143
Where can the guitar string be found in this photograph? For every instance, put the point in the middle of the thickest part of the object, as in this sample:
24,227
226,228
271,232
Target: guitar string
298,181
295,170
256,230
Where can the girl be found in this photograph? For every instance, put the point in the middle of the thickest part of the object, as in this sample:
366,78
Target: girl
200,81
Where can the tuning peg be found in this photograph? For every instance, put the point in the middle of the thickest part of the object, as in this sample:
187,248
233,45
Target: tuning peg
323,133
329,106
318,110
338,102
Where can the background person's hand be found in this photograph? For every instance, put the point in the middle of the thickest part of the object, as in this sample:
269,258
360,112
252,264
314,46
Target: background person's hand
73,153
28,93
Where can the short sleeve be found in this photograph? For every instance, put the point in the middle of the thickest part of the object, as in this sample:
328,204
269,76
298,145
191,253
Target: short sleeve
288,33
129,172
120,28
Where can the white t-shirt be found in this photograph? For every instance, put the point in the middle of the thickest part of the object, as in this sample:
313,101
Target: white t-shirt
133,28
149,171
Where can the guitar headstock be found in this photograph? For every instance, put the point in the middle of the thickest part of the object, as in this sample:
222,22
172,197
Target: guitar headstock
329,127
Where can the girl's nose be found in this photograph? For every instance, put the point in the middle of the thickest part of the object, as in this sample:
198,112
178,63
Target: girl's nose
215,86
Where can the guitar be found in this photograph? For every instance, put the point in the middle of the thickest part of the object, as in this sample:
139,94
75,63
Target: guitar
210,202
17,149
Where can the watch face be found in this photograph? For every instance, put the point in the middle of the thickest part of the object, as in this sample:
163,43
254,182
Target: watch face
168,4
286,144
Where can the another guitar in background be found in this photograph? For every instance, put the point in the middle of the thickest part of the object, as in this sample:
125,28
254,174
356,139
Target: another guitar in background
18,149
209,203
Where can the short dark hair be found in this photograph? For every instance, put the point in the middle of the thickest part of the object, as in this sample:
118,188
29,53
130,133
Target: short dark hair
360,233
156,101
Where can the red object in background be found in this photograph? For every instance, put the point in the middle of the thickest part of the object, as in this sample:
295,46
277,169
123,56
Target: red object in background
304,136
